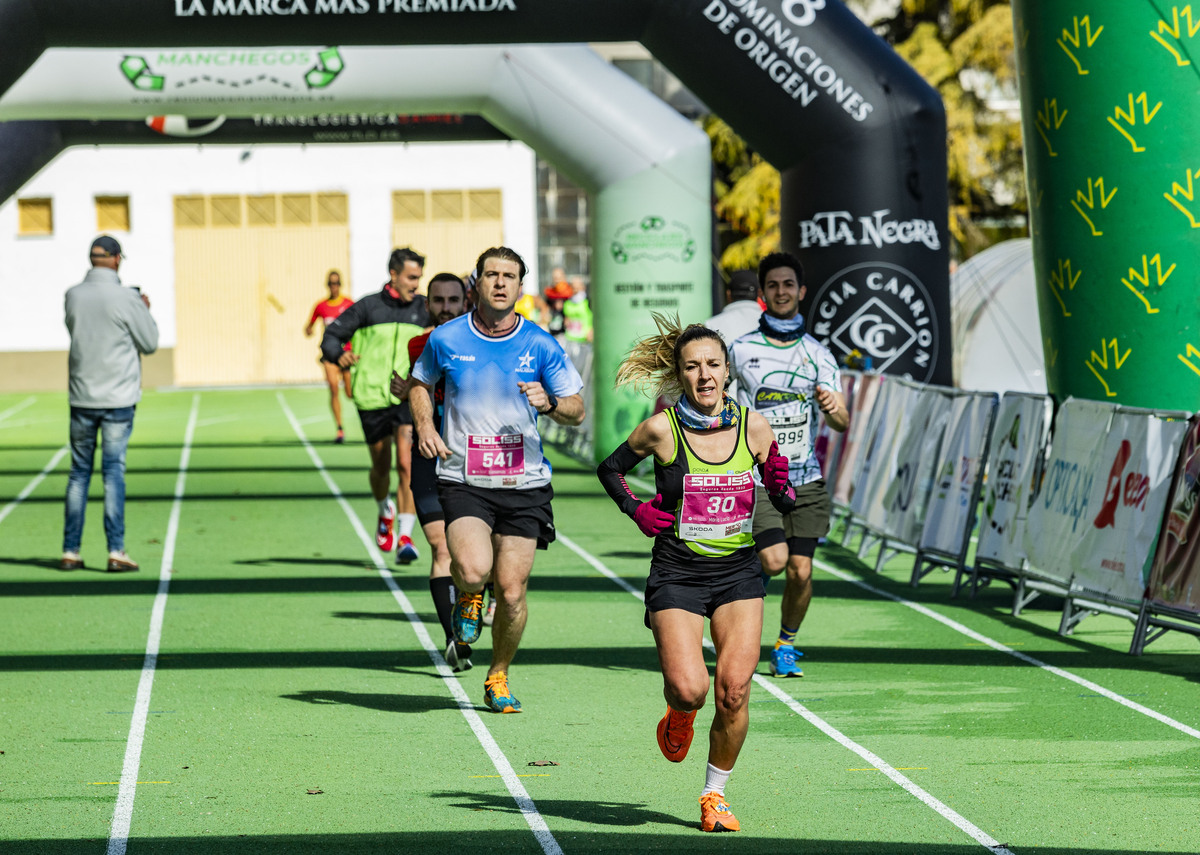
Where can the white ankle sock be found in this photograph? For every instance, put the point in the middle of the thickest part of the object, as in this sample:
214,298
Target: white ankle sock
715,780
384,507
407,521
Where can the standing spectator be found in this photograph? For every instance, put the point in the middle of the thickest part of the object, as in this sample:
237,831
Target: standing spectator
741,312
577,312
110,328
556,298
328,311
381,325
500,372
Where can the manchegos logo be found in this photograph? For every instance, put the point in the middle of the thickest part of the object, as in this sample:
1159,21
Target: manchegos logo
295,69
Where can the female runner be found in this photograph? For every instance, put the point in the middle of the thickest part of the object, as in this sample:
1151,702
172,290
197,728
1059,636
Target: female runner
703,563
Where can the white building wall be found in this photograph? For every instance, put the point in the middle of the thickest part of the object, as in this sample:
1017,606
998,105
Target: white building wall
35,271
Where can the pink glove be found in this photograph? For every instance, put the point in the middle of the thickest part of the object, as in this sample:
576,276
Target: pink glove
651,518
775,471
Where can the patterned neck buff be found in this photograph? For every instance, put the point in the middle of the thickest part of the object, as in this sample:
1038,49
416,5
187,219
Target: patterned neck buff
690,417
784,329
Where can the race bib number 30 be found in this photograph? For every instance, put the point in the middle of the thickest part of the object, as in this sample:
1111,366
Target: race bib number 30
792,434
716,506
496,461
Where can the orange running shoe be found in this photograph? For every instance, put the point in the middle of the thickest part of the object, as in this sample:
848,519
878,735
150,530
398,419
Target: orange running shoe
675,734
715,814
498,696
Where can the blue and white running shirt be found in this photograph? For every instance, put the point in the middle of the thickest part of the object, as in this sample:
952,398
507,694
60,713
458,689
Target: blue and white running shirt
489,426
780,381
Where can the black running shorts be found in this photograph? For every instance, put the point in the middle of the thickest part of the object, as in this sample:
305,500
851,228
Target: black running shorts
521,513
383,423
809,520
424,483
702,595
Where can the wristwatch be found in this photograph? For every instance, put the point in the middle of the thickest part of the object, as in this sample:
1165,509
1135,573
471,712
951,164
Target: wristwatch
553,399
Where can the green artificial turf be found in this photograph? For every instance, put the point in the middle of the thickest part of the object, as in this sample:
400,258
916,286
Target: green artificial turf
295,709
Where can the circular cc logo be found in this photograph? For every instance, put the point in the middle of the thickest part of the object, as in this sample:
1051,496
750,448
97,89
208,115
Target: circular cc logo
871,333
881,310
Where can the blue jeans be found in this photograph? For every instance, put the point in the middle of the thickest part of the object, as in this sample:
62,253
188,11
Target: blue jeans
115,426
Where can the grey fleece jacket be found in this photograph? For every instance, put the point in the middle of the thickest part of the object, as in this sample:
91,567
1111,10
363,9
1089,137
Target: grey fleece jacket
110,328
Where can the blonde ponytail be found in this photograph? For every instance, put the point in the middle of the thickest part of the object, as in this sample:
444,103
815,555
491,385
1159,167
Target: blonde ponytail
652,364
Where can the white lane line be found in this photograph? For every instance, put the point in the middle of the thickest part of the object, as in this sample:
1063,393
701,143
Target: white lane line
963,824
32,485
16,408
118,836
995,645
528,809
1004,648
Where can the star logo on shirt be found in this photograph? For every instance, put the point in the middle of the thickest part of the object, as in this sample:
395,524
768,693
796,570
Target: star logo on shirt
526,363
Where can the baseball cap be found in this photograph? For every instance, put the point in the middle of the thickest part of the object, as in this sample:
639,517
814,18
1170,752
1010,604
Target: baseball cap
107,245
743,285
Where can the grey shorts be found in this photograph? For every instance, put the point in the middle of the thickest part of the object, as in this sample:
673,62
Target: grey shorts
809,519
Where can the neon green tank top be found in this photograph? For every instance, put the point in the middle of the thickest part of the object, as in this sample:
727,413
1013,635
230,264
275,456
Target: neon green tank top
713,503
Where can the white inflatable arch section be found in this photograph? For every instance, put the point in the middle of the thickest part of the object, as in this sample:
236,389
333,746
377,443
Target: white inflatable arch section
648,169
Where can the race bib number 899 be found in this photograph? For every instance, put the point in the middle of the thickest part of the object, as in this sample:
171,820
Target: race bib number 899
792,434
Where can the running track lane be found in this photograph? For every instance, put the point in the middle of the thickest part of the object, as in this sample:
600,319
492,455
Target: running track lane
995,645
961,822
118,836
528,809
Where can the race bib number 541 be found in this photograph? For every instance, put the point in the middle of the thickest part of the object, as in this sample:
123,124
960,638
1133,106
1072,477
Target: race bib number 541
496,461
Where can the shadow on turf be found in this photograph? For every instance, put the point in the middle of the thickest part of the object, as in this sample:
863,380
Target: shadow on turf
519,841
363,564
413,660
993,601
234,496
54,564
598,813
195,470
395,702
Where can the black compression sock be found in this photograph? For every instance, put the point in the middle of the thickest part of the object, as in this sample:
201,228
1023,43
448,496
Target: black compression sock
442,589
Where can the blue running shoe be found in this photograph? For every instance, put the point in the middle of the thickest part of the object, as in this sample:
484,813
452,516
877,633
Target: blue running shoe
406,552
783,662
467,619
498,697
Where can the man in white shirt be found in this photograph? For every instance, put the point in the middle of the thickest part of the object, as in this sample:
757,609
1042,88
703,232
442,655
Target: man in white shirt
740,315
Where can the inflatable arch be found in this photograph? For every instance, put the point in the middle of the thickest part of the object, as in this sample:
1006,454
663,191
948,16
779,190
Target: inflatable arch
1110,111
856,133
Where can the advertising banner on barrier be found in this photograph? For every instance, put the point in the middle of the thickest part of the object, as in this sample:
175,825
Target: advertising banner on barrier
829,442
879,446
907,495
1062,516
950,512
1018,442
1175,573
1136,464
866,392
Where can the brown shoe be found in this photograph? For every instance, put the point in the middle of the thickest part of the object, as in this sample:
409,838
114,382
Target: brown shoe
71,561
119,562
